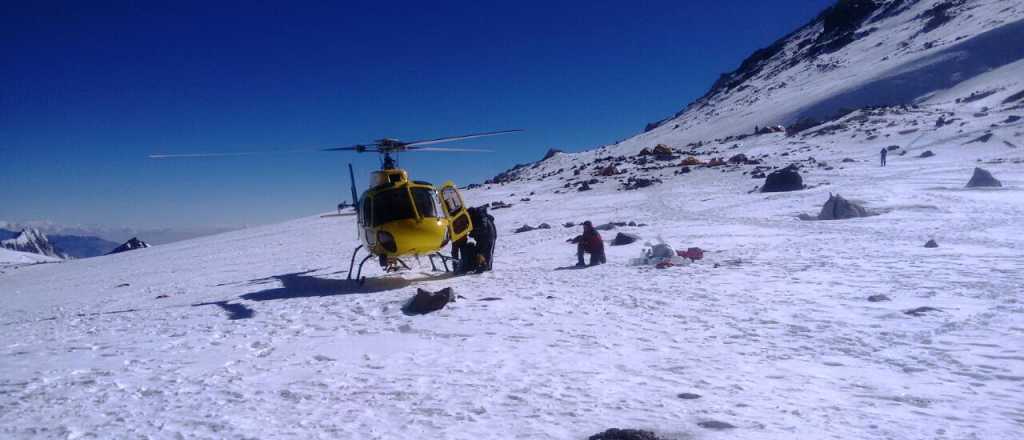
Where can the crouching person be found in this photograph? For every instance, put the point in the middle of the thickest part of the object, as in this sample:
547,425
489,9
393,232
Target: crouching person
589,242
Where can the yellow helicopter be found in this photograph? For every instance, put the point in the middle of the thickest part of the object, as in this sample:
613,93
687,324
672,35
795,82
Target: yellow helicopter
398,217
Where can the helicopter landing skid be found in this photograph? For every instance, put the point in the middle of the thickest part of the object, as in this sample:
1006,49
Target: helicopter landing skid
444,261
359,278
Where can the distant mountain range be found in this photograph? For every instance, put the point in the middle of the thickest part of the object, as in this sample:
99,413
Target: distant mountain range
32,241
130,245
60,246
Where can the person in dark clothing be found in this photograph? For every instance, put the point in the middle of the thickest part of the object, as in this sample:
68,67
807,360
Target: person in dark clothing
589,242
485,233
884,153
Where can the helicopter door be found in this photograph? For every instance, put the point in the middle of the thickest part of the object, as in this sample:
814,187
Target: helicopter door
459,224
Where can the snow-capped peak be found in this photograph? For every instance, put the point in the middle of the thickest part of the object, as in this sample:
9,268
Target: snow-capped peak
32,241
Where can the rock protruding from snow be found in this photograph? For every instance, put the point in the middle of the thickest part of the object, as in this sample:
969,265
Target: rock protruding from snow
624,434
931,244
838,208
786,179
624,238
551,153
982,178
130,245
426,301
32,241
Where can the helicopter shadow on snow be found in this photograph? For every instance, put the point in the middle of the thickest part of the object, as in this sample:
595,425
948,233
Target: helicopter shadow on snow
303,285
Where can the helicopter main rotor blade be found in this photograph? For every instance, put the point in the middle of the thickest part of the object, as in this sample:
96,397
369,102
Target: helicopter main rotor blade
358,148
460,150
459,138
241,153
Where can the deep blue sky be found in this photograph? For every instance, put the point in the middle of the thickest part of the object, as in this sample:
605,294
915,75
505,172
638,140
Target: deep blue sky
88,90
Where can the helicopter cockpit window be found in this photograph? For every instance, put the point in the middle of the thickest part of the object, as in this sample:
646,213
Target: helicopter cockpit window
426,204
451,200
365,211
391,205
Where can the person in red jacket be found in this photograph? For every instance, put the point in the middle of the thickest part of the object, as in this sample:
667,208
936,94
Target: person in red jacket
589,242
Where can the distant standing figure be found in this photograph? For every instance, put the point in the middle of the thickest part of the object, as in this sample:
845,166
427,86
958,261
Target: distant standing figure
884,153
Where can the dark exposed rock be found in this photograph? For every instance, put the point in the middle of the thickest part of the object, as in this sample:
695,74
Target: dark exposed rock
715,424
608,171
624,238
569,224
738,159
878,298
426,301
624,434
688,396
605,227
848,160
892,148
931,244
551,153
838,208
584,187
543,226
983,178
130,245
639,182
786,179
926,154
524,228
920,311
981,139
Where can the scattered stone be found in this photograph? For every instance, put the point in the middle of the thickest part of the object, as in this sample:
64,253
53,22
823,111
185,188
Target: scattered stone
569,224
605,227
624,434
690,161
163,296
122,285
524,228
543,226
715,424
1011,119
426,301
838,208
639,182
608,171
931,244
894,147
920,311
662,150
926,154
738,159
878,298
688,396
848,160
981,139
624,238
786,179
584,187
983,178
500,205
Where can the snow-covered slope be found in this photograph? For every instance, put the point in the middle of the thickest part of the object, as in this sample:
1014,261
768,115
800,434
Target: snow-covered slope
858,53
255,333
